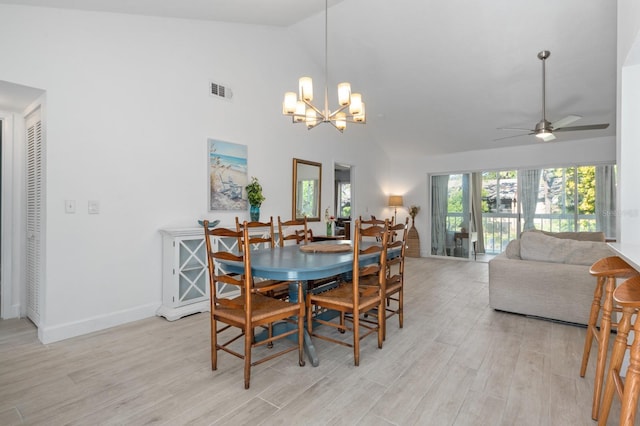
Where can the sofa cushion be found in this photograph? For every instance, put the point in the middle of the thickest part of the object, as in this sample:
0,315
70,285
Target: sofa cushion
513,250
544,248
579,236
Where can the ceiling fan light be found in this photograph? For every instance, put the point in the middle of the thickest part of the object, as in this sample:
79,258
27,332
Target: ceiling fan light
355,107
305,88
344,93
289,104
543,134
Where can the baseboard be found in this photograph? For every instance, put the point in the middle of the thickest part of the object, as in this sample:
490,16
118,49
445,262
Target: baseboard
78,328
12,312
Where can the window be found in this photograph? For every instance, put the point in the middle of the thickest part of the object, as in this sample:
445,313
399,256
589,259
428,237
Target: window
344,199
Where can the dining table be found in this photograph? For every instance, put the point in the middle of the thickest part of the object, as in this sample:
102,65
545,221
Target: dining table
297,263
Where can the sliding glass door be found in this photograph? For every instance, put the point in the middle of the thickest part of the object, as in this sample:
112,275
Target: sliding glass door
451,228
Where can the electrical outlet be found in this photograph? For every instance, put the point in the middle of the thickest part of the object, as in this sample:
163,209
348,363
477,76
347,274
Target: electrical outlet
69,206
94,207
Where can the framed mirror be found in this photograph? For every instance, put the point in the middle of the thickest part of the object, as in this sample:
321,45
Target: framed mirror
307,187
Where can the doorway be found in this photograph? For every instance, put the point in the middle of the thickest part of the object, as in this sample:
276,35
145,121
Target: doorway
343,198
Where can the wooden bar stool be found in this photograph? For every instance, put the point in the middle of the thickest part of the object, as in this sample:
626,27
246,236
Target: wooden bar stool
626,295
606,270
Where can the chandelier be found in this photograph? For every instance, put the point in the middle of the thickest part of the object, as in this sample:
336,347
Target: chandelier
300,108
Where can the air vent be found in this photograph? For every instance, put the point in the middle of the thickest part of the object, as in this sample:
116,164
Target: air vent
220,91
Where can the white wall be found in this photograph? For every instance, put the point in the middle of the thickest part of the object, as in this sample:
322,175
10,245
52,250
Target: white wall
628,123
128,117
410,175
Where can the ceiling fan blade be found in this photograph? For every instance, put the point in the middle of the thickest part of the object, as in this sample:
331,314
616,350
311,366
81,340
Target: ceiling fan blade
587,127
514,136
549,137
519,129
565,121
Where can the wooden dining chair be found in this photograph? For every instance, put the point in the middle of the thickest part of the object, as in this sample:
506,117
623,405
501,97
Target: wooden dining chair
249,310
294,230
353,297
260,234
375,222
394,289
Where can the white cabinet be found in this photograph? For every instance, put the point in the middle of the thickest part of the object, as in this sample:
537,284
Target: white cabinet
185,275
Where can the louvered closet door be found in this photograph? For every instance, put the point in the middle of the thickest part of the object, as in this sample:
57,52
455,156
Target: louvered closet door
34,203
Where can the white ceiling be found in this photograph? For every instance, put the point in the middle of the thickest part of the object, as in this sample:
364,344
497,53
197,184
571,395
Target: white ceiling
439,76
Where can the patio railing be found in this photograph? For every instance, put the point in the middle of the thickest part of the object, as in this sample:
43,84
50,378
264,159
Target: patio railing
500,228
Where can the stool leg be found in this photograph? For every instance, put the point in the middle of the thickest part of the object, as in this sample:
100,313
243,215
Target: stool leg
632,382
603,347
591,326
617,355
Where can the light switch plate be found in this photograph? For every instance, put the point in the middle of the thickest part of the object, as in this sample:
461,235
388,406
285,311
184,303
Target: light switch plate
94,207
69,206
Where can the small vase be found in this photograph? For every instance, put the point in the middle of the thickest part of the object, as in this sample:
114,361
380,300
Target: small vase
329,230
254,213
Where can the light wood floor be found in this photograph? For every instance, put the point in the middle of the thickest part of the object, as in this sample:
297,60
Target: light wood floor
456,362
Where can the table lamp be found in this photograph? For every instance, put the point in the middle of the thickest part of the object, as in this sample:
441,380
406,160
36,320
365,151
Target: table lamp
395,201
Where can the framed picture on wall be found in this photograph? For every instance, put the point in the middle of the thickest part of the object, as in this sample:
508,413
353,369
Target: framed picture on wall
227,175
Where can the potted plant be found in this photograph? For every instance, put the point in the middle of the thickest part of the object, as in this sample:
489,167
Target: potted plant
255,197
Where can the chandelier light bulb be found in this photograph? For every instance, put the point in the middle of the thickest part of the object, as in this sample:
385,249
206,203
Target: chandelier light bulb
311,118
289,104
355,107
305,85
341,121
344,94
300,113
360,118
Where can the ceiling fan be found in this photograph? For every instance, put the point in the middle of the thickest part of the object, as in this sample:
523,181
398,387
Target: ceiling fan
545,129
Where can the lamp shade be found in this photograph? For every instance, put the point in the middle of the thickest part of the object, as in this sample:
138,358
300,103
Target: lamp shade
395,201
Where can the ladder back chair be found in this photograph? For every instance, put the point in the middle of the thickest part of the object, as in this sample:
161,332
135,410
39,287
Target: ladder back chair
249,310
353,297
394,289
260,235
256,239
301,232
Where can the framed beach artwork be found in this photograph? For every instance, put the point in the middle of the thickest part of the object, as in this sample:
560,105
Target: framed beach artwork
227,175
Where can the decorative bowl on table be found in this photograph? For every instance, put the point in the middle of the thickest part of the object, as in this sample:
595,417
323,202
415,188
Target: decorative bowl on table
212,223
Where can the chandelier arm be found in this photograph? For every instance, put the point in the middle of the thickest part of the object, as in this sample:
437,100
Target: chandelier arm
335,126
334,113
314,125
313,107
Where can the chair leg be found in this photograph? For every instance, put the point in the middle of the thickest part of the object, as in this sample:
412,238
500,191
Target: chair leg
401,306
214,344
629,404
617,355
300,327
356,336
248,338
603,347
308,316
382,327
591,326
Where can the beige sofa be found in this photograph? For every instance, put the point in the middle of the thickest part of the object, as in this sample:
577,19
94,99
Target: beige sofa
547,275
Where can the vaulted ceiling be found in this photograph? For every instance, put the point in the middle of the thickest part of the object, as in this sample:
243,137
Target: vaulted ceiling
439,76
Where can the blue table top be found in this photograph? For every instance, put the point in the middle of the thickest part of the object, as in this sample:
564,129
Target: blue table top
291,264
